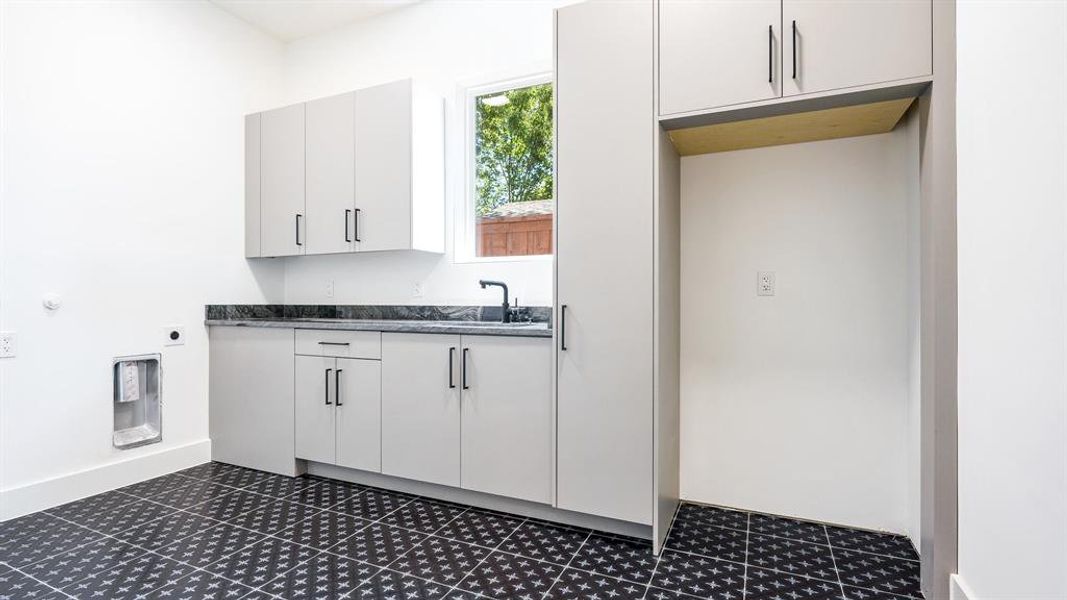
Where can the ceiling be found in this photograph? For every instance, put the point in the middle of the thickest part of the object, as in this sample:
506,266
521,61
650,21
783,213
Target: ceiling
288,20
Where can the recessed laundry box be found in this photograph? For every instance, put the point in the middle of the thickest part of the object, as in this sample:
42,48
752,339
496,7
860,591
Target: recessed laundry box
137,401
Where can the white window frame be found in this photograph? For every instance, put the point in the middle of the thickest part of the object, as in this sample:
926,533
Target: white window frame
466,232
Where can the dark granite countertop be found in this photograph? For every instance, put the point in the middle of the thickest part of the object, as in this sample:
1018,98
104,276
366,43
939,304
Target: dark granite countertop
467,320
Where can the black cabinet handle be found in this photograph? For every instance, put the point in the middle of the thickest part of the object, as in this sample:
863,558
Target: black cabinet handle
335,343
770,54
794,49
451,367
464,369
337,386
563,327
298,242
328,386
356,225
348,211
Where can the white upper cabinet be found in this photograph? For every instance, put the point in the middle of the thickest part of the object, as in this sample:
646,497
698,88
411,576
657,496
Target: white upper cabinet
399,169
283,229
252,201
860,42
331,174
374,176
383,151
718,53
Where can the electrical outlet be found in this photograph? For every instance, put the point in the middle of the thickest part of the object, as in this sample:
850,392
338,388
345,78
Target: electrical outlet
417,291
765,283
7,344
174,336
329,288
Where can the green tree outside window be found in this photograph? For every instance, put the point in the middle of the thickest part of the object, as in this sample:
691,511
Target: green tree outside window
513,147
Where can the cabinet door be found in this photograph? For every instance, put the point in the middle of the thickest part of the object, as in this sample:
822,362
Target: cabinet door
421,407
331,174
282,226
251,398
718,53
846,44
383,166
252,185
359,413
605,134
507,416
315,409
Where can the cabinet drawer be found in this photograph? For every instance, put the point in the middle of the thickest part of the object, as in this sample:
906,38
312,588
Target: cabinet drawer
343,344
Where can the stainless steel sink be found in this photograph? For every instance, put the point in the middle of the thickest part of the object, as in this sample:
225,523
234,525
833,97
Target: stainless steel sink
491,324
443,324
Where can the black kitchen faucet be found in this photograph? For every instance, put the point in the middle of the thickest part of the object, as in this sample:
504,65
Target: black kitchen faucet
507,307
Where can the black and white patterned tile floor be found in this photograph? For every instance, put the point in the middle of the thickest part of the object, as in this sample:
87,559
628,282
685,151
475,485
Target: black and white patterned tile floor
217,532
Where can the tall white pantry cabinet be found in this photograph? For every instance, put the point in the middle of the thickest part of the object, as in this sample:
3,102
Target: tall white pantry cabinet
613,458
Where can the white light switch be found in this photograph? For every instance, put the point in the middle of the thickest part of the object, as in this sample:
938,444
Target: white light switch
7,344
765,283
329,288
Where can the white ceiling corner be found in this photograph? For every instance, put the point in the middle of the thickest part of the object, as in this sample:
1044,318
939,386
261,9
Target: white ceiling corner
288,20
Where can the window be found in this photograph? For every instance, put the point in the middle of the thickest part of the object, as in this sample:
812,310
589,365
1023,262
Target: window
510,169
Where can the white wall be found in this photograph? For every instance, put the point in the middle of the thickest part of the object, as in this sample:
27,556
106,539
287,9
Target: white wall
1012,161
122,151
798,404
447,45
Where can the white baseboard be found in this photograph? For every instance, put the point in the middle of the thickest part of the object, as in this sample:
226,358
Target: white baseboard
40,495
958,590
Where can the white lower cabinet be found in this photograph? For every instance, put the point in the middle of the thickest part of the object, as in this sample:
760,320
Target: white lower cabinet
358,394
507,416
251,398
421,407
469,411
315,415
338,411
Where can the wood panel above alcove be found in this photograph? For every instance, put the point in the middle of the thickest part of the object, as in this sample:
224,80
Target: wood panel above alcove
788,121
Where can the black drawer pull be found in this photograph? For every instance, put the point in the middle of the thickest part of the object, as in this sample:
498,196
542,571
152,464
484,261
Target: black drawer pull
794,49
770,54
451,367
563,327
465,386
